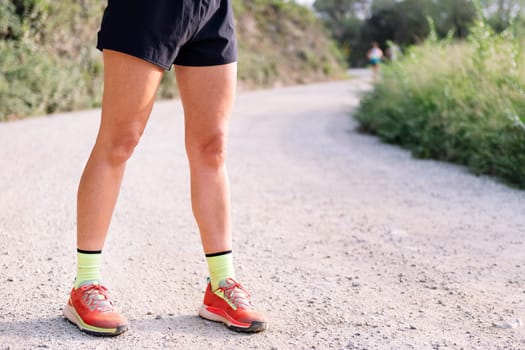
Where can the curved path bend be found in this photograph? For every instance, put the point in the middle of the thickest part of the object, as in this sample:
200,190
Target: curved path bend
348,243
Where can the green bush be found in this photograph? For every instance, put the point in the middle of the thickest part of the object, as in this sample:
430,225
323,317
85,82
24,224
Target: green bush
35,81
460,102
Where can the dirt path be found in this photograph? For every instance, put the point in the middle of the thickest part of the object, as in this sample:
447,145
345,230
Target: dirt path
346,242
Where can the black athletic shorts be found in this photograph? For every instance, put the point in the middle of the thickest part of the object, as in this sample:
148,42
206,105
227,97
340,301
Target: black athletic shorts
167,32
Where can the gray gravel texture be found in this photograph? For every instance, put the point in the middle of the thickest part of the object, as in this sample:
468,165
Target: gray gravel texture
345,242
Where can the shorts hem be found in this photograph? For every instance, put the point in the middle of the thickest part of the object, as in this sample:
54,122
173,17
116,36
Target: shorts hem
163,65
136,55
205,64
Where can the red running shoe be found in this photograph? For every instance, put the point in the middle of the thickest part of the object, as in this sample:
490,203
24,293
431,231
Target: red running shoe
91,310
230,304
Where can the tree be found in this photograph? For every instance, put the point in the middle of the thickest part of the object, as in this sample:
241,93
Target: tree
356,23
453,15
344,20
502,13
402,22
341,16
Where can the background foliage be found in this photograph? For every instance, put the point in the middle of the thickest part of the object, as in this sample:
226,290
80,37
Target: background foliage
456,101
48,62
356,23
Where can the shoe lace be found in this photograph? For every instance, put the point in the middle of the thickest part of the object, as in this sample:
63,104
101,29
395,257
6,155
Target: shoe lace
236,294
96,297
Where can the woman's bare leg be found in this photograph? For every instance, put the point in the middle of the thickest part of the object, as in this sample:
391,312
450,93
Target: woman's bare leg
130,86
207,96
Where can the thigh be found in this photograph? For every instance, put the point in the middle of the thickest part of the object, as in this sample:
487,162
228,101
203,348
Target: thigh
207,95
130,86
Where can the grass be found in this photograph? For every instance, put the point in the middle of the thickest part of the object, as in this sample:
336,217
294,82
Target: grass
462,102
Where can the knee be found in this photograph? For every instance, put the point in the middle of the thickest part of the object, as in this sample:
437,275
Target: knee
121,146
210,151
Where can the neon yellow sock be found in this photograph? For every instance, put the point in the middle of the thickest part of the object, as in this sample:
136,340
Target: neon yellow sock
220,266
88,266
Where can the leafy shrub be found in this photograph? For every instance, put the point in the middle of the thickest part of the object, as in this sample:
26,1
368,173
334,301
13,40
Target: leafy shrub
34,81
460,102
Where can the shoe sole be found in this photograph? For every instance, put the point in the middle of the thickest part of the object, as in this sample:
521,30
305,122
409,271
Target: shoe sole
72,316
213,314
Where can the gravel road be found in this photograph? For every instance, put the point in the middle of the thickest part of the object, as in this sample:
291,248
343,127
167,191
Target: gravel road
345,242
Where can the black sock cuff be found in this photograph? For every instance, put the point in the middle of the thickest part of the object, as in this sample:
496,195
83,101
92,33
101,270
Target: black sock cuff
218,254
89,251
